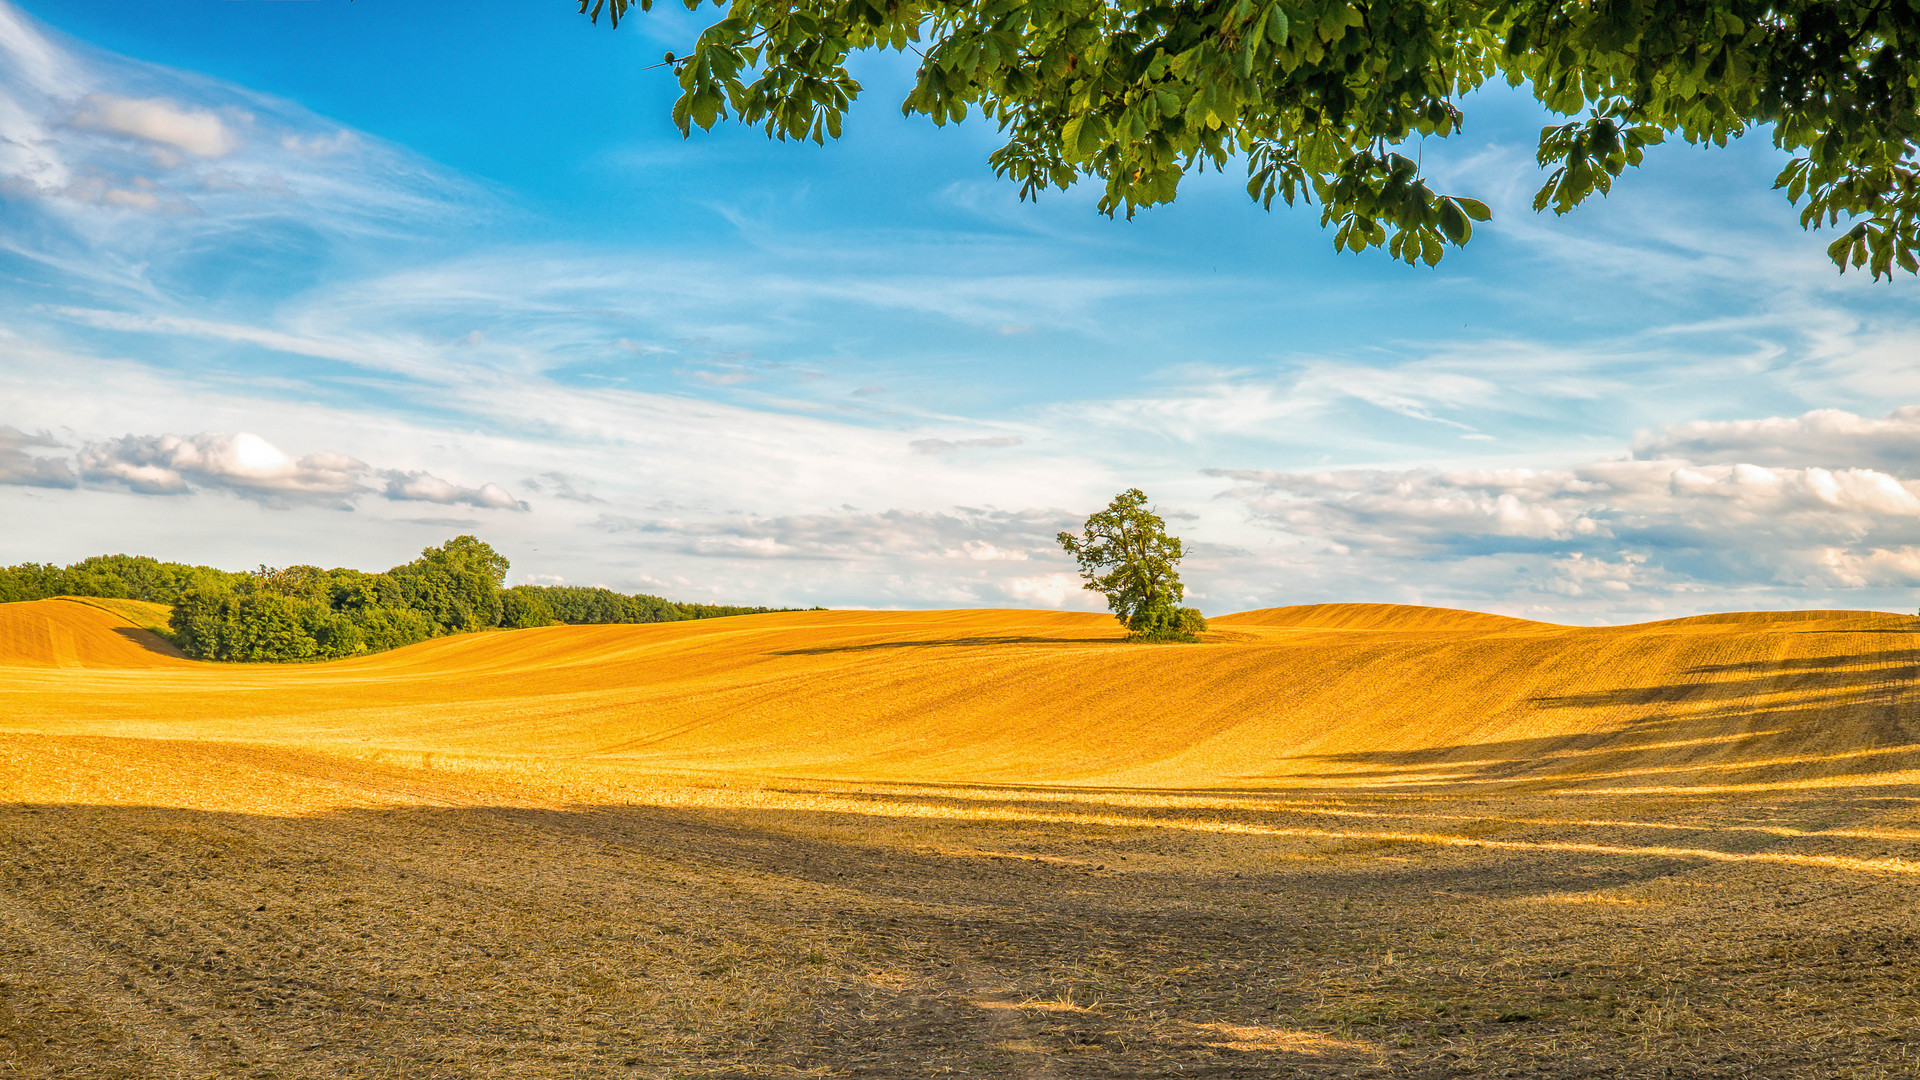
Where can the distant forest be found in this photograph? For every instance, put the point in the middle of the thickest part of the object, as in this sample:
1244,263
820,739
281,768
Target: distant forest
306,613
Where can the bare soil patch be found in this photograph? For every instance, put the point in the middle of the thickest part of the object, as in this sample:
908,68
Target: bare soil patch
645,941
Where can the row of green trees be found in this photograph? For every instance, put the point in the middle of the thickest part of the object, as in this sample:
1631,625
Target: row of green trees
121,577
306,613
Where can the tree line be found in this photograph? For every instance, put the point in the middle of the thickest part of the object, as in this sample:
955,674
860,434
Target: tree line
306,613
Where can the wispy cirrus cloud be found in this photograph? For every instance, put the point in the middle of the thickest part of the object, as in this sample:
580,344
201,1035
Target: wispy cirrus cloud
276,340
562,486
948,446
128,178
976,535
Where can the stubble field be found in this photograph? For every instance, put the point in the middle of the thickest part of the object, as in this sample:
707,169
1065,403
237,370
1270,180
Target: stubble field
1334,841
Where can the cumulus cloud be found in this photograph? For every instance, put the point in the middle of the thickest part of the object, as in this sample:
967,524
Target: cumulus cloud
1831,438
158,120
1409,511
1619,524
248,466
426,487
244,464
23,469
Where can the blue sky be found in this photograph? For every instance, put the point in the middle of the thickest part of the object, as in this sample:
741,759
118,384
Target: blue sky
327,281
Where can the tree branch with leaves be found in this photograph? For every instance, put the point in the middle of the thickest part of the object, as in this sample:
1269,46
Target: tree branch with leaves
1321,97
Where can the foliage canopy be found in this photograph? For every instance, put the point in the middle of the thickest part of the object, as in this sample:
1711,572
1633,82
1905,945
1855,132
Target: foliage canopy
1125,553
1320,95
306,613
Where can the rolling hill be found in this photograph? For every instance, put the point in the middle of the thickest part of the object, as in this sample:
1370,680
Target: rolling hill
1349,697
1329,841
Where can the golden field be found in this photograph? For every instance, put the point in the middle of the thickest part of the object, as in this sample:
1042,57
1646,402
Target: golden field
1327,841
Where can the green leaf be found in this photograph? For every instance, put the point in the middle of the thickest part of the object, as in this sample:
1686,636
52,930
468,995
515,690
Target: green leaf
1070,134
1279,29
1545,194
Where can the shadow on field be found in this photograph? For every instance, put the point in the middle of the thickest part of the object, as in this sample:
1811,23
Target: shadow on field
1887,673
1904,660
150,641
458,942
640,941
976,642
1846,724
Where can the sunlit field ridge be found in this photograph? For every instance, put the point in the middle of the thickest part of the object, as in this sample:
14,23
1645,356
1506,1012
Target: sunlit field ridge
1347,696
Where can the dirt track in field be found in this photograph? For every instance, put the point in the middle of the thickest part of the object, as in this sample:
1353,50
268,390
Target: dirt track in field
1340,841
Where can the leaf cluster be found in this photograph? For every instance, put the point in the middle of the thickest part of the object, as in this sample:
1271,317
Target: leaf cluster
1317,95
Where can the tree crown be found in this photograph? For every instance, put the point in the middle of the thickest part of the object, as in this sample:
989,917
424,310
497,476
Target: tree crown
1125,553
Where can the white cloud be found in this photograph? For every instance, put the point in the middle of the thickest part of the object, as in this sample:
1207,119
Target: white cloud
29,160
1898,566
23,469
320,145
244,464
1049,590
30,55
1581,575
1620,524
91,143
297,344
425,487
158,120
1833,438
249,466
981,551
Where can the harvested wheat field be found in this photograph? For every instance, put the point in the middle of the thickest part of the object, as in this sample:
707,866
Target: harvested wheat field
1343,840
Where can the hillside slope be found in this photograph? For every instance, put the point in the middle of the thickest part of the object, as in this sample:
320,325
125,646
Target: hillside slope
74,632
1422,699
1398,618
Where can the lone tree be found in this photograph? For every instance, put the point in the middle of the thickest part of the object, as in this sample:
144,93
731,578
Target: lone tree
1318,94
1125,552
